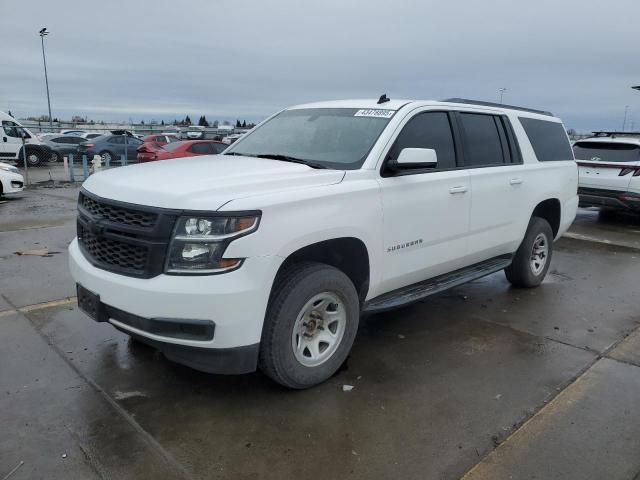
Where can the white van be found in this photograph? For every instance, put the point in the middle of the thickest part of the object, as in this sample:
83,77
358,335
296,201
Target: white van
11,145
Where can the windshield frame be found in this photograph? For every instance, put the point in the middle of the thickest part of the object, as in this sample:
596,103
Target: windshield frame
233,148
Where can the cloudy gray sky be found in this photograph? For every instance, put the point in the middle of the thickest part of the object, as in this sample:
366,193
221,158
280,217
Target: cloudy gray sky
226,59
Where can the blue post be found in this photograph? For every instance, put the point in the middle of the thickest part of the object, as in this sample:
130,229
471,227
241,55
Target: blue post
85,167
123,160
108,162
72,177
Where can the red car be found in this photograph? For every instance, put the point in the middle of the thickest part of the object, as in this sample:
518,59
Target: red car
151,143
189,148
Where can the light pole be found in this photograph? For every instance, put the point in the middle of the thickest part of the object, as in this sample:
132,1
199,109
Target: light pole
624,122
43,33
502,90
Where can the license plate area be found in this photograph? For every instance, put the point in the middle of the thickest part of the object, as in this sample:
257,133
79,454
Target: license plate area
90,304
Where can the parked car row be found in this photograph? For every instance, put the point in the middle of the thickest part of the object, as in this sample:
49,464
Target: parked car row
148,151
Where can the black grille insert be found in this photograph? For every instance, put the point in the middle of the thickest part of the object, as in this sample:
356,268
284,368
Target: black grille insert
113,252
124,238
118,214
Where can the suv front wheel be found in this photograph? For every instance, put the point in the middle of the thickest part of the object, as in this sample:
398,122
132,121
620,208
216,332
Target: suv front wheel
310,325
532,259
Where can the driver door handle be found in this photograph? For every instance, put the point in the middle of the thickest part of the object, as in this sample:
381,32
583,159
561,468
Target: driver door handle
515,181
460,189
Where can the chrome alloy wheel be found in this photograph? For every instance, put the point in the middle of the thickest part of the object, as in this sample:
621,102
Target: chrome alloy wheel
539,254
319,329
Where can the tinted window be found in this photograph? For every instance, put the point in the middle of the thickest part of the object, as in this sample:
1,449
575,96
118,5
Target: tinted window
606,151
428,130
548,139
75,140
116,140
200,148
58,140
172,146
218,147
482,140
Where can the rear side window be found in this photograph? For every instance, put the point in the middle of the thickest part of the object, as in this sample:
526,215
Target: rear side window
484,140
428,130
606,151
200,148
218,147
548,139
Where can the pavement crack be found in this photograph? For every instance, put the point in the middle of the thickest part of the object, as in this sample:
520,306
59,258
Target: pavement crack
547,403
146,436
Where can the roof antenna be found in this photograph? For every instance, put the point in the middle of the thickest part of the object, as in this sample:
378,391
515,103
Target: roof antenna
383,99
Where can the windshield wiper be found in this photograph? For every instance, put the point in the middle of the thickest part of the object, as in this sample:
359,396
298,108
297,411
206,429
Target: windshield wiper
287,158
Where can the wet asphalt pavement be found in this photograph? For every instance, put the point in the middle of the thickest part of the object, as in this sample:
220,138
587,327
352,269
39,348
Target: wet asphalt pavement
483,381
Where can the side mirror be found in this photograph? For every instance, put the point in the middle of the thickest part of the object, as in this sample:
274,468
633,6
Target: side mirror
417,158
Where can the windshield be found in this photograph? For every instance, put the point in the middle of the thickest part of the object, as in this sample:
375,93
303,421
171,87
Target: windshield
337,138
606,152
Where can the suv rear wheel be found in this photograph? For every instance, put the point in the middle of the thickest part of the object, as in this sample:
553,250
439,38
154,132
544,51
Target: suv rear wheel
310,325
532,260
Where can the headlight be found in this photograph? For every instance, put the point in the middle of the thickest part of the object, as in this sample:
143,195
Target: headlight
199,242
9,168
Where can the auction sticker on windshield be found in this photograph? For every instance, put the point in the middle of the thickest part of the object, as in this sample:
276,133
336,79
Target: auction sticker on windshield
375,113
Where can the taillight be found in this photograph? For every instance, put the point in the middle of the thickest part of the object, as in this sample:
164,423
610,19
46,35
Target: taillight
87,145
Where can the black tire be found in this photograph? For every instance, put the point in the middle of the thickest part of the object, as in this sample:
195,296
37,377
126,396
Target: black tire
35,157
297,287
523,271
103,155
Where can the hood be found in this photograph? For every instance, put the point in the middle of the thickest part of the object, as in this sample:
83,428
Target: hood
205,182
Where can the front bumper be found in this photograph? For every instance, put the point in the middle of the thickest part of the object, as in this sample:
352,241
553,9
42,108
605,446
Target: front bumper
235,303
600,197
12,182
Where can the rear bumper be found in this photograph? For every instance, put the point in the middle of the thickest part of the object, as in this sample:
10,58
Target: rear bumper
600,197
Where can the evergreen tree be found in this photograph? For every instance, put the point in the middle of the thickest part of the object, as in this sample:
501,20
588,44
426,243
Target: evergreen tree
244,124
162,123
216,124
187,120
238,124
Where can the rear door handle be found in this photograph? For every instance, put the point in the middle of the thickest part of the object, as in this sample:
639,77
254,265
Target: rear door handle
515,181
460,189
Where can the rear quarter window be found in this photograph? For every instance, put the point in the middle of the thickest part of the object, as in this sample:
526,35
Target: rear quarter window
548,139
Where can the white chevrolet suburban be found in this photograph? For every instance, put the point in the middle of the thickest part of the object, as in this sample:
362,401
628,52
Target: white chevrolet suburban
268,254
609,170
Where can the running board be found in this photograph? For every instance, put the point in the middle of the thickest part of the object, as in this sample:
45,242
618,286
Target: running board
417,291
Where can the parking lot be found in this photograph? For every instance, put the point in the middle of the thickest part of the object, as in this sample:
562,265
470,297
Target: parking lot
484,381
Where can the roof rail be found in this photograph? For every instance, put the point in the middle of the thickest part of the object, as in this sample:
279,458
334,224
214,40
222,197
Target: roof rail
498,105
614,133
